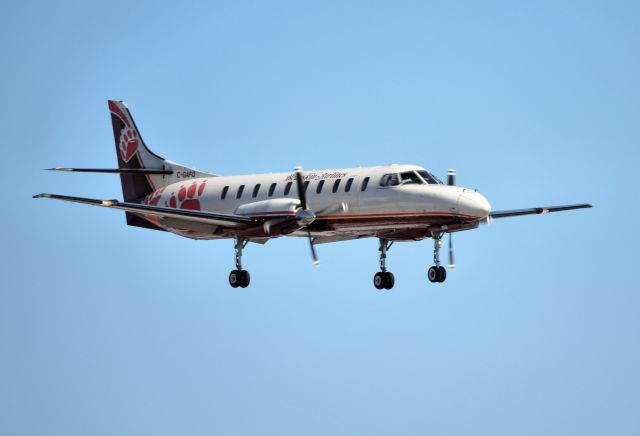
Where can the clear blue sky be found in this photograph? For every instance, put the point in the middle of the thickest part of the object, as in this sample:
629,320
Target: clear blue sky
107,329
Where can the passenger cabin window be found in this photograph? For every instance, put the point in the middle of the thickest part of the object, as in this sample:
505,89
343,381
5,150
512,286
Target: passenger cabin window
306,185
223,194
272,189
320,185
365,182
336,185
240,189
409,177
389,180
347,187
287,188
256,189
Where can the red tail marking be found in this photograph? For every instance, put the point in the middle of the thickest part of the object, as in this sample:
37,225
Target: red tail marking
128,144
116,110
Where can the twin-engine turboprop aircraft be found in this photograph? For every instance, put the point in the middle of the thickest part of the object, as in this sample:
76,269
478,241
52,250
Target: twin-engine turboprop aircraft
391,203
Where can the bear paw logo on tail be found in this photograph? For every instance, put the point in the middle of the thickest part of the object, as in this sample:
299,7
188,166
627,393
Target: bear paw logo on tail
128,144
186,197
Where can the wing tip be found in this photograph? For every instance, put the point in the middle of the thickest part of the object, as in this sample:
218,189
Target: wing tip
43,195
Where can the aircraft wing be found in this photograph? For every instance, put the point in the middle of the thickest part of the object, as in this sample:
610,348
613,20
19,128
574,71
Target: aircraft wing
536,210
218,219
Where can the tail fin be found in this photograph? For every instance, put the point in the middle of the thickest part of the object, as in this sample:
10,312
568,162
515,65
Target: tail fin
133,154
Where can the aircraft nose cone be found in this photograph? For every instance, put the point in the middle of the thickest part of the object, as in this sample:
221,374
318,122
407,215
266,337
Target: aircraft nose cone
474,204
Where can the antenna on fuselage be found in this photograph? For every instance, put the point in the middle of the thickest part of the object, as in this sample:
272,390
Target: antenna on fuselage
451,177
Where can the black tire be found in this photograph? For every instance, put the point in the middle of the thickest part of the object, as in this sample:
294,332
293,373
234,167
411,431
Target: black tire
390,280
379,280
245,278
433,274
442,274
235,278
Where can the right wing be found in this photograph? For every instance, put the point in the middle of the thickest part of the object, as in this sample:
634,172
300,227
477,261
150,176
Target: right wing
218,219
536,210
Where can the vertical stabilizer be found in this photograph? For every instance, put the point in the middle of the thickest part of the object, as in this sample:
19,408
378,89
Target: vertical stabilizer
133,153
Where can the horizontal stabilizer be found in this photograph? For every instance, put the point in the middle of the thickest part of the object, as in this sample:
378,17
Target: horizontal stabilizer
536,210
140,171
218,219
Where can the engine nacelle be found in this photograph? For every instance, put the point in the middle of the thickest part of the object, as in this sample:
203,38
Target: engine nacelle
280,216
275,207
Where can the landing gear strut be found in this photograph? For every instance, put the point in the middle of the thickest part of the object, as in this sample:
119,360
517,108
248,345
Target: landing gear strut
384,279
437,273
239,276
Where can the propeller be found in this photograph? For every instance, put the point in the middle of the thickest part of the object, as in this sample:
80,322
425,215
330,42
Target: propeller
451,181
314,256
452,262
304,215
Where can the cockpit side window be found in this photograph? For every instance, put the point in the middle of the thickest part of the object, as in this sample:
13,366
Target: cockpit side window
390,180
410,177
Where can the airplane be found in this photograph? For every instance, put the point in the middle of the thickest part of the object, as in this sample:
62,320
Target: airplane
393,203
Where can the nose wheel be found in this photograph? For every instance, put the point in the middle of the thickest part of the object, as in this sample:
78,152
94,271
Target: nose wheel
437,273
384,279
239,277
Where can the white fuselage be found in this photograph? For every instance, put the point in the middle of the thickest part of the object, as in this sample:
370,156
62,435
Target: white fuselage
353,201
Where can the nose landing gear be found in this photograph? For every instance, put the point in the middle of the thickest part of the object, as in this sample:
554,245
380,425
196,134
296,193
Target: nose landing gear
384,279
437,273
239,277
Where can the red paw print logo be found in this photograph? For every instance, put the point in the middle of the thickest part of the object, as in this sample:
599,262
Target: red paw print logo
128,144
154,198
187,197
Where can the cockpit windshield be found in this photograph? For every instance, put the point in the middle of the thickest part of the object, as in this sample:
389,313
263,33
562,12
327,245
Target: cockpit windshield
420,177
410,177
429,178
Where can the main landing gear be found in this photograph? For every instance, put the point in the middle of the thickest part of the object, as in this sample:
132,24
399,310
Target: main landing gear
437,273
239,276
384,279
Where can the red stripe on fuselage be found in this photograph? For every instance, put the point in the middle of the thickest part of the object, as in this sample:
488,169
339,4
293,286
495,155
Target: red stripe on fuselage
396,215
371,215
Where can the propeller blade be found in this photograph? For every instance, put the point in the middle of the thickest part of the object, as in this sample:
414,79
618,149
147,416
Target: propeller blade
305,215
488,220
314,256
452,262
302,194
451,177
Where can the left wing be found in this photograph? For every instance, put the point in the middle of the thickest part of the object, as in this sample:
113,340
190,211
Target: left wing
218,219
536,210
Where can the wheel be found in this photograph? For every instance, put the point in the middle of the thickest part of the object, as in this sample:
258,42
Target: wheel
442,274
379,280
235,278
390,280
245,278
433,274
